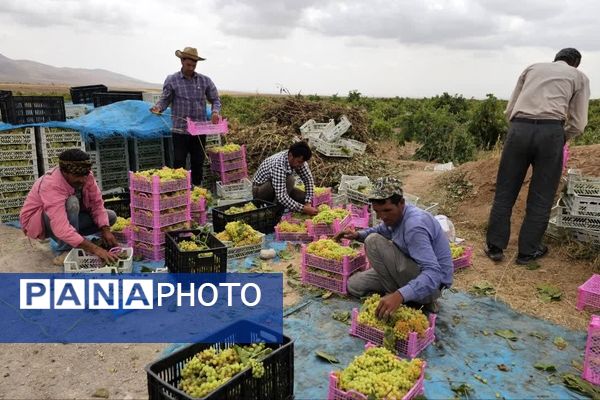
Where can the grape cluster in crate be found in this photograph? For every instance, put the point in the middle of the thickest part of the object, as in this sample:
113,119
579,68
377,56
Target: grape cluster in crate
18,170
54,141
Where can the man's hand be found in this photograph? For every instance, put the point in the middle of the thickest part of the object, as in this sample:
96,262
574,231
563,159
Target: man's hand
107,257
108,237
310,210
155,110
388,304
348,233
215,118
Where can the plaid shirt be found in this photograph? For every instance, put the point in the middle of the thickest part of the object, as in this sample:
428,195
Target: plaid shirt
187,98
276,169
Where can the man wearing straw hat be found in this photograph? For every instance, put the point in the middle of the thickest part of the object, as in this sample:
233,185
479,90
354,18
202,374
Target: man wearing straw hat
408,251
187,91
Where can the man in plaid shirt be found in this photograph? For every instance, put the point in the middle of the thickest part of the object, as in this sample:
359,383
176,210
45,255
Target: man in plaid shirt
274,179
187,91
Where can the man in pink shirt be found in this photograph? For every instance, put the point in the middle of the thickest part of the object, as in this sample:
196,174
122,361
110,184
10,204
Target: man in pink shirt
66,204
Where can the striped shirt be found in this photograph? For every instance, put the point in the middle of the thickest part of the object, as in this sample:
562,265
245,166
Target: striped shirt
276,169
187,98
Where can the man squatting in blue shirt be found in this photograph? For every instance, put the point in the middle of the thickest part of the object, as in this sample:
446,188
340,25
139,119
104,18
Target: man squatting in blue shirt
408,251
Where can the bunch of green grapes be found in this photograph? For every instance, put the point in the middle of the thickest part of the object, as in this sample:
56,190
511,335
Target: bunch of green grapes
238,210
240,233
201,192
328,248
322,272
456,250
286,226
169,195
120,224
228,148
211,368
190,245
319,190
377,373
327,214
164,174
365,189
404,320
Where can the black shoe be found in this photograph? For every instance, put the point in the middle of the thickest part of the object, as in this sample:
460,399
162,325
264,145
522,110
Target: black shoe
494,253
524,259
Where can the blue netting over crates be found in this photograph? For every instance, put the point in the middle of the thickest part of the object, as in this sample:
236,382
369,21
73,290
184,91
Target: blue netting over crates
129,118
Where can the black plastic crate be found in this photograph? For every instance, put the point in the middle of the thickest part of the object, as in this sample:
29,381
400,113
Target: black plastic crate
193,261
119,203
84,94
277,383
102,99
19,110
263,219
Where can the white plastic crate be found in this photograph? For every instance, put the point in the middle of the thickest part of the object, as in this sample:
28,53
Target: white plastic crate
236,190
586,236
234,253
226,202
583,205
16,186
582,185
13,202
353,181
332,149
8,217
151,97
17,137
75,110
53,135
79,261
354,145
566,220
333,134
314,129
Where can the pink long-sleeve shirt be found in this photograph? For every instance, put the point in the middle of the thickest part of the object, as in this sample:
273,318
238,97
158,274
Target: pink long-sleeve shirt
49,195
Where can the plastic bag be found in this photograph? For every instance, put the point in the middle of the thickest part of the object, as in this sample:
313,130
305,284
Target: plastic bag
447,227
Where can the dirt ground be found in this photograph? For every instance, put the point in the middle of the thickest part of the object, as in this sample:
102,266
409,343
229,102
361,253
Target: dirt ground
57,371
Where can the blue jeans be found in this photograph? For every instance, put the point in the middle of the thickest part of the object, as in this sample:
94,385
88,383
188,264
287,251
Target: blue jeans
80,220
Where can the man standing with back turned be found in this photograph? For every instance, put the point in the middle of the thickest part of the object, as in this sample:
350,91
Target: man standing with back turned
548,107
187,91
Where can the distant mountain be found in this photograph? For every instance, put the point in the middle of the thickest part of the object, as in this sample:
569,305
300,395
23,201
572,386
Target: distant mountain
25,71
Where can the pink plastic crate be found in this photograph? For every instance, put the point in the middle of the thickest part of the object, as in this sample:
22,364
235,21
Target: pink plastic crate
404,348
157,219
199,217
155,185
220,158
199,206
464,260
591,360
588,294
148,251
324,198
334,393
124,237
360,215
337,284
149,201
318,230
149,235
234,176
292,236
229,165
197,128
346,266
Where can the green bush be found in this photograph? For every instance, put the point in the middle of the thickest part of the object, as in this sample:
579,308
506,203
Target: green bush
488,125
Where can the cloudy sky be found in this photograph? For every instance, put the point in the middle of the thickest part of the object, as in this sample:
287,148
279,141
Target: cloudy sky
407,48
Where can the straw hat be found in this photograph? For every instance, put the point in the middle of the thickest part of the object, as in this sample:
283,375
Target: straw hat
189,52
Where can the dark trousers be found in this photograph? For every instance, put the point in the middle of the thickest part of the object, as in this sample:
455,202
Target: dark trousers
540,146
184,144
267,192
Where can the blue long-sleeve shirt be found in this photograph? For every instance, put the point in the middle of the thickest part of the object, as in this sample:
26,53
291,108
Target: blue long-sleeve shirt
420,237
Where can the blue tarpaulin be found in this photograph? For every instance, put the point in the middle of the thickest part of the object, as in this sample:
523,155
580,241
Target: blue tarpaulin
130,118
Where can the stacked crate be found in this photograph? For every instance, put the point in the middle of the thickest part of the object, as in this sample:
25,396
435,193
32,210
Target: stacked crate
18,170
331,274
579,214
157,207
110,159
146,154
209,179
231,170
52,142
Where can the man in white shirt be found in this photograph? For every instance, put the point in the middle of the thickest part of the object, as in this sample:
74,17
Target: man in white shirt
548,107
